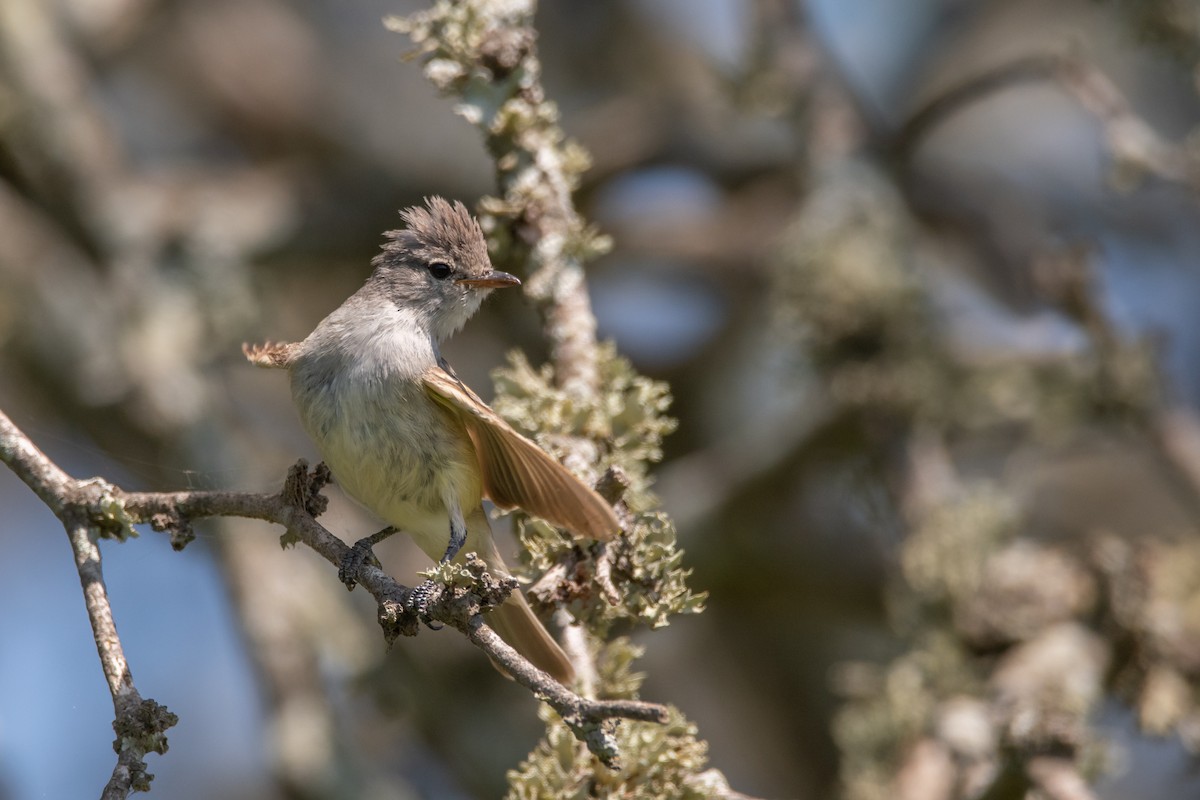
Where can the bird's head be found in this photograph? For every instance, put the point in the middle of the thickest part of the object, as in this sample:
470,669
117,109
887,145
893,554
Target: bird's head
437,268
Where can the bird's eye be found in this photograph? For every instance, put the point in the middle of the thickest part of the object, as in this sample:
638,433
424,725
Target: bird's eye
440,270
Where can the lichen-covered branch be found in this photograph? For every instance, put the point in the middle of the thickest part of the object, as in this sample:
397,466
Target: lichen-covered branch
587,406
88,507
484,53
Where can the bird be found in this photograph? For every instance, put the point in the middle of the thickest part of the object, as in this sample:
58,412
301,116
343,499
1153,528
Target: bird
406,438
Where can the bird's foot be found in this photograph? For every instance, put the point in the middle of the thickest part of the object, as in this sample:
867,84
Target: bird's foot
418,600
359,554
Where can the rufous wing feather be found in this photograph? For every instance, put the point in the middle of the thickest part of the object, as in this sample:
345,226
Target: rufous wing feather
518,473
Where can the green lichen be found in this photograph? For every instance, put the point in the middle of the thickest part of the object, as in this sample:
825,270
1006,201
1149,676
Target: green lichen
626,422
627,418
646,570
657,761
614,667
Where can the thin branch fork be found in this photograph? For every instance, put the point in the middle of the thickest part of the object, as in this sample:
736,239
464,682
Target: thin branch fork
93,508
1130,138
84,509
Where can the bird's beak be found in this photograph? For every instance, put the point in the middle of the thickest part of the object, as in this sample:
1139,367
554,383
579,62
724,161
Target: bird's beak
492,280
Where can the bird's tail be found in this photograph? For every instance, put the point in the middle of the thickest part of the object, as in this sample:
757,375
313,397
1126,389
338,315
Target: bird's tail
514,620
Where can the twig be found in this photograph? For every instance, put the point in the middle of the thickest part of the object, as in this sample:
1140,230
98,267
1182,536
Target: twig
1069,280
89,507
1029,69
585,717
575,644
1131,140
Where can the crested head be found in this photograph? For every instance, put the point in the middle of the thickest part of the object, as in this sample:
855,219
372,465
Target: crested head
439,230
437,269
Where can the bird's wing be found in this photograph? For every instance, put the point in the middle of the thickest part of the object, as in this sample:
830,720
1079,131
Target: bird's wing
518,473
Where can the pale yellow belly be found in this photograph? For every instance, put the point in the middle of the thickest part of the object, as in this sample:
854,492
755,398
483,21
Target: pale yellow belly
405,460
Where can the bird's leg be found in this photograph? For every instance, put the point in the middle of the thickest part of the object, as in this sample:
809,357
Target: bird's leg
359,554
458,537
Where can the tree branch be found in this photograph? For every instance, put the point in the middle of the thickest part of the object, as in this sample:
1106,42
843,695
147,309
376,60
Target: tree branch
88,510
93,506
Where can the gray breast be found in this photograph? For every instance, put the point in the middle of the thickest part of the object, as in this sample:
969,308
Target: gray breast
382,436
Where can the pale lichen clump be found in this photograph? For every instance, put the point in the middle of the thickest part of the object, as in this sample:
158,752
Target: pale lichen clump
944,557
849,295
1153,591
660,761
664,761
629,417
628,421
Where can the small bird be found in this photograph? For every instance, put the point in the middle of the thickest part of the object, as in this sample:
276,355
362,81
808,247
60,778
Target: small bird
405,437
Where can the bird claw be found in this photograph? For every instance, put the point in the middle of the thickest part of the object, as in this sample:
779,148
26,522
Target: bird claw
360,553
418,601
355,557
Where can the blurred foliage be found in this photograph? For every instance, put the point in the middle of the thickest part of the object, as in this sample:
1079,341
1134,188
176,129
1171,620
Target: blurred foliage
945,555
1002,637
628,420
1169,24
1153,595
852,292
895,704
